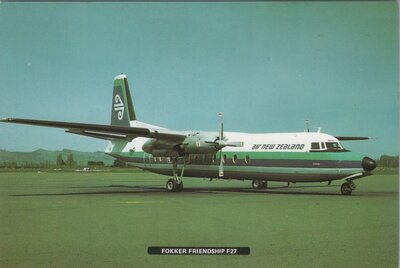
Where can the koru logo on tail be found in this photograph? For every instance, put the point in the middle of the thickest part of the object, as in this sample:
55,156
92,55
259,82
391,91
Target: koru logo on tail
119,106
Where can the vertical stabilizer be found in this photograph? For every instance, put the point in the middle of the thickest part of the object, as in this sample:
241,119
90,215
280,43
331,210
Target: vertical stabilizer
122,111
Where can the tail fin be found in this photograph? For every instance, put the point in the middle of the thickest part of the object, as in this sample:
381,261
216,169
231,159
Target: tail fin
122,111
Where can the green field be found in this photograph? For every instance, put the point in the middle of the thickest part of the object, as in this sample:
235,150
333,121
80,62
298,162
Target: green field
109,219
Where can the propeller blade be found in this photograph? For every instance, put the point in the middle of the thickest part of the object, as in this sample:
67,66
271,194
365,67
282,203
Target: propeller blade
235,144
221,126
347,138
219,144
221,165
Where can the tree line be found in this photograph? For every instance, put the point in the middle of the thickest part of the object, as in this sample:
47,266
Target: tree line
69,162
388,161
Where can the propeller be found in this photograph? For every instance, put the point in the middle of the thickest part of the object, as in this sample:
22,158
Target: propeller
220,143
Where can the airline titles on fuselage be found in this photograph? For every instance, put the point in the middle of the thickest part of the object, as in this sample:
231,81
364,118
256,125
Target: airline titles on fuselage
284,146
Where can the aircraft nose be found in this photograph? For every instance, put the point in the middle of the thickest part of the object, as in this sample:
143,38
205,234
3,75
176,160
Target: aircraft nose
368,164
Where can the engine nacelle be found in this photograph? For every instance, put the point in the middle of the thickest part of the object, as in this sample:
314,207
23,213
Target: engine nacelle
198,145
194,143
160,148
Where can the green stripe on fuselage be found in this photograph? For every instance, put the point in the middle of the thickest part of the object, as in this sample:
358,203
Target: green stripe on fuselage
337,156
243,170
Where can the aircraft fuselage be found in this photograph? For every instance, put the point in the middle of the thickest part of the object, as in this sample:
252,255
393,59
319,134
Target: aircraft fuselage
288,157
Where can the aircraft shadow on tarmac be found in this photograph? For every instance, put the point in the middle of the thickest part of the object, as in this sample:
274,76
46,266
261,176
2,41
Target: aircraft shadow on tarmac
160,189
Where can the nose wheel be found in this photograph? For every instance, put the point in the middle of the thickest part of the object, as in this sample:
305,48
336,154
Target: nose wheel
347,187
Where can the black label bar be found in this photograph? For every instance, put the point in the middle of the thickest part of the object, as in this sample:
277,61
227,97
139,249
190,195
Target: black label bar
198,250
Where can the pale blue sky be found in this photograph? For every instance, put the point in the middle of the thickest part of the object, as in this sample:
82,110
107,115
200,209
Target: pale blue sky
267,66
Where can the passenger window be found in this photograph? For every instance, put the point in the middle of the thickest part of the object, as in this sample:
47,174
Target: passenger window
224,160
323,145
234,159
247,159
314,146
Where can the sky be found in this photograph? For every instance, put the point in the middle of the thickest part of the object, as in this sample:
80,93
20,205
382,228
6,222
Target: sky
267,66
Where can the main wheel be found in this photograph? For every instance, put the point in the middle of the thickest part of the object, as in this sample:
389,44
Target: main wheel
259,184
346,188
172,186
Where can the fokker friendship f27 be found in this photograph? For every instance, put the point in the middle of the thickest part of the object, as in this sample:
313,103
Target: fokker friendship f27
286,157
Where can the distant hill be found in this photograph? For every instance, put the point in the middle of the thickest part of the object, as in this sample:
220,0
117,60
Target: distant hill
42,156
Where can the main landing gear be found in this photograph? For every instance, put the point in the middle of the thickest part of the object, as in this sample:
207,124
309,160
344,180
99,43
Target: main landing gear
347,187
259,184
175,184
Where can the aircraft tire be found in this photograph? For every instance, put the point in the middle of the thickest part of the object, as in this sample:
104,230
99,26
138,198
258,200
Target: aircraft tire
172,186
259,184
346,189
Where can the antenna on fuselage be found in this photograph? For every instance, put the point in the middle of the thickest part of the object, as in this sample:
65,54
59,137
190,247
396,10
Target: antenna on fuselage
307,122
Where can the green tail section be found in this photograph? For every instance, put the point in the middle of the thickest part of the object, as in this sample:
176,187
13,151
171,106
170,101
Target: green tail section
122,111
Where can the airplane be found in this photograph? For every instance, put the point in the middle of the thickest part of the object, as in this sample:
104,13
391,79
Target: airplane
262,157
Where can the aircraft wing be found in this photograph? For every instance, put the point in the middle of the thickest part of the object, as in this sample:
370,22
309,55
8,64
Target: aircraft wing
108,132
351,138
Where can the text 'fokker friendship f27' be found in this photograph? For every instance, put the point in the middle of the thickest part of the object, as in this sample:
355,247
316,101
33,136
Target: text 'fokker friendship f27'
287,157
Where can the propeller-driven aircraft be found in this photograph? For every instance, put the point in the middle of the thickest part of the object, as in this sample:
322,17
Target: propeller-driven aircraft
286,157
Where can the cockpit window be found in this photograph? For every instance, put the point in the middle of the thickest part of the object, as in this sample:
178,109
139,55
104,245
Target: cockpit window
333,146
327,147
